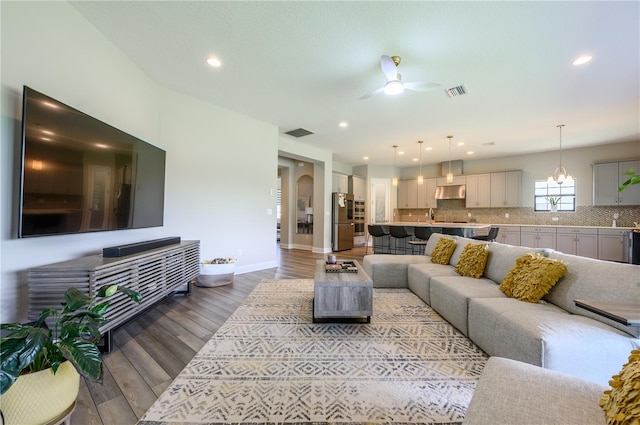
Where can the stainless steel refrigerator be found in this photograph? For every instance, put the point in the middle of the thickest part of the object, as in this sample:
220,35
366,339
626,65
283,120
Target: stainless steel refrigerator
343,221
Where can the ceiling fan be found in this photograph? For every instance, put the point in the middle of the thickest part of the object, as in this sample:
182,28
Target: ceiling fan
394,84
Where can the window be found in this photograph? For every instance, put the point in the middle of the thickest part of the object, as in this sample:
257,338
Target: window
543,191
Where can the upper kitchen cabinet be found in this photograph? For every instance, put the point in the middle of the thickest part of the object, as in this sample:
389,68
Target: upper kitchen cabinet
340,183
505,189
608,177
358,186
478,191
408,194
427,194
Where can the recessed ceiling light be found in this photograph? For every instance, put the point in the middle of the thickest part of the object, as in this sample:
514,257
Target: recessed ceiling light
415,159
582,60
366,158
101,145
214,62
470,153
401,153
460,143
343,124
429,148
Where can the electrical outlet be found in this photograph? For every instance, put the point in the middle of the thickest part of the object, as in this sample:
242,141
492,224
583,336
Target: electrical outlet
506,215
554,218
616,216
239,252
469,215
269,211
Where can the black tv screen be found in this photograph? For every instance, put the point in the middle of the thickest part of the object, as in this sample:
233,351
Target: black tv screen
79,174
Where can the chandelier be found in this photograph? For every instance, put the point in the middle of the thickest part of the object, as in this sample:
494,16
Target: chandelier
560,175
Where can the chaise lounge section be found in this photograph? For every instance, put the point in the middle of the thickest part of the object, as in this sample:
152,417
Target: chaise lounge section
553,333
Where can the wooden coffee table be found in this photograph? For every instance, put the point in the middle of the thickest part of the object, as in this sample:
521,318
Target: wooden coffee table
342,296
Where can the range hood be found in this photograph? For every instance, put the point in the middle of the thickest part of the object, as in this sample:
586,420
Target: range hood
458,191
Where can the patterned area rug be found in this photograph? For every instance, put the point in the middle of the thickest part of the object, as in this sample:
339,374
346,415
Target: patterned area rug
270,364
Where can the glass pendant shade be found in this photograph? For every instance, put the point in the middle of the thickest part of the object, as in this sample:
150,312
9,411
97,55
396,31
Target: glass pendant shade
420,176
449,177
394,180
449,174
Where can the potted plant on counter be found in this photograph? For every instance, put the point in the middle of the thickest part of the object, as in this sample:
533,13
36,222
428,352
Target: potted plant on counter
553,202
39,365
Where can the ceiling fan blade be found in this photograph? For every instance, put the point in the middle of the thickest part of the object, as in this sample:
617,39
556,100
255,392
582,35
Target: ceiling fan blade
418,86
389,68
372,93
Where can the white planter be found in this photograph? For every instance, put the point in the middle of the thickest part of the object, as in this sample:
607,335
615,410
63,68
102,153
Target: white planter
41,397
215,275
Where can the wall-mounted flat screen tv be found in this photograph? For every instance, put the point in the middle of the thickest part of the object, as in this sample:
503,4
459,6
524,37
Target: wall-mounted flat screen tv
79,174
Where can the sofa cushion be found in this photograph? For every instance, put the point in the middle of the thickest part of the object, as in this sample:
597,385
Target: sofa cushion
450,295
443,250
390,271
473,260
545,335
590,279
420,275
621,403
501,258
532,277
511,392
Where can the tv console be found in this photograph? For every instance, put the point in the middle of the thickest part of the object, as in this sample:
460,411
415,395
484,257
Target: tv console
156,274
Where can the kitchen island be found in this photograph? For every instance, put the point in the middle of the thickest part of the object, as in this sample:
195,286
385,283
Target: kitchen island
393,245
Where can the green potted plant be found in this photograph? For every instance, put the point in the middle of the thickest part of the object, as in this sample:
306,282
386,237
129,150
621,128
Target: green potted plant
34,354
553,202
634,179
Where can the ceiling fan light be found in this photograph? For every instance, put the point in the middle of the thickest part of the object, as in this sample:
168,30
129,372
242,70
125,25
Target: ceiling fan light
393,87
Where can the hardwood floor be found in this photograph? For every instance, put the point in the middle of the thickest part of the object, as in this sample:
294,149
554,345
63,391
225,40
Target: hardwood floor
151,350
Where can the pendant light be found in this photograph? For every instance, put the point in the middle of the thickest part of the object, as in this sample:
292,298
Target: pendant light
449,174
420,176
560,175
394,181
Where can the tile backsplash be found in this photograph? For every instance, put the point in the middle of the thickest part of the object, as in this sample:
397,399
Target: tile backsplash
455,210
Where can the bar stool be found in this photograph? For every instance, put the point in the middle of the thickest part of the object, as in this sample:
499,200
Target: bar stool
454,231
422,235
491,237
378,236
399,235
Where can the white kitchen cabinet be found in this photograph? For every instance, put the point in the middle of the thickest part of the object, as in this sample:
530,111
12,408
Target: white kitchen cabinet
457,180
608,177
577,241
508,235
427,194
611,244
478,191
505,189
340,183
538,237
408,194
358,188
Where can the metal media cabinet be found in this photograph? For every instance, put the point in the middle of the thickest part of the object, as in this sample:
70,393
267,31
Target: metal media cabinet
156,274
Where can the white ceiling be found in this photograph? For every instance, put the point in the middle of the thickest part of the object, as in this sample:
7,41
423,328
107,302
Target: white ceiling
306,64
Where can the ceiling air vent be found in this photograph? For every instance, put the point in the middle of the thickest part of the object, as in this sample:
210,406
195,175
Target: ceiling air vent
457,91
299,132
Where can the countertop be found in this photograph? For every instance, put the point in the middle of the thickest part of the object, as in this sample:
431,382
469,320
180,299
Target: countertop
484,225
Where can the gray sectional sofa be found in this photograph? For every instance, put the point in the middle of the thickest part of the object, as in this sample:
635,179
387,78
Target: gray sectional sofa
554,333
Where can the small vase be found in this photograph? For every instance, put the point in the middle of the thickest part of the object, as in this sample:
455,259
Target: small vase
553,208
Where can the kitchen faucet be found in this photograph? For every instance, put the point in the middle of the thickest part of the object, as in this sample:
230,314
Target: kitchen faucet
430,215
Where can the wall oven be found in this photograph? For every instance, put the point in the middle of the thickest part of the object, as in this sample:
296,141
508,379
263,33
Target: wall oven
358,218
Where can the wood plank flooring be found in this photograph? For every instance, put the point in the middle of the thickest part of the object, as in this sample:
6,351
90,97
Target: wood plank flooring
151,350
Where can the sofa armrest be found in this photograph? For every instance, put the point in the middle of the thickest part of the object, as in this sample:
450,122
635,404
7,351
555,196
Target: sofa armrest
511,392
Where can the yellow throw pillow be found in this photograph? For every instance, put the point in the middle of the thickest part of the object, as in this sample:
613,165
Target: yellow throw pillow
532,277
443,250
473,260
621,404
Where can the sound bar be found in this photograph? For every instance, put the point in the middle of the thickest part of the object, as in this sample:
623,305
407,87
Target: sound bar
134,248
